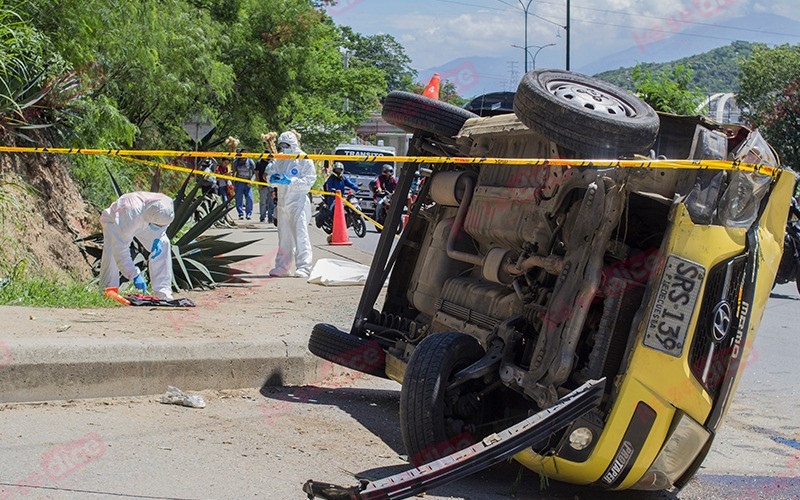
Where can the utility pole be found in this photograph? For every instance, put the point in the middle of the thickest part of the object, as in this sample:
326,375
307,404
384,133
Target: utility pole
512,70
566,28
525,10
346,65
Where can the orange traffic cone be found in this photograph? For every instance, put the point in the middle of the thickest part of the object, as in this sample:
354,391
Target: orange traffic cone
432,90
339,236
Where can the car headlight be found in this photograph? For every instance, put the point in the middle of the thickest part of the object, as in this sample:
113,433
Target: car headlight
685,443
739,204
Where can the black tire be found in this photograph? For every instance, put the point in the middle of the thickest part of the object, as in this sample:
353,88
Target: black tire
356,353
413,113
584,114
797,278
429,426
359,226
327,226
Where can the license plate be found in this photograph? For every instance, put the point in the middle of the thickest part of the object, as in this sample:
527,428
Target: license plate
675,301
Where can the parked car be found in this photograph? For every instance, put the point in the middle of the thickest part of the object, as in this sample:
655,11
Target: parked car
517,288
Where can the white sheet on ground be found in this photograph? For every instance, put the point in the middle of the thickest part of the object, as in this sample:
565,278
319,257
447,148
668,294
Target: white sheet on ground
332,272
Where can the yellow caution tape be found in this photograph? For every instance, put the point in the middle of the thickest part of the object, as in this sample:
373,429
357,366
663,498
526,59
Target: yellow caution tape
671,164
125,154
187,170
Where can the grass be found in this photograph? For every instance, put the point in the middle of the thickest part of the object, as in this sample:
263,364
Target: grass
22,289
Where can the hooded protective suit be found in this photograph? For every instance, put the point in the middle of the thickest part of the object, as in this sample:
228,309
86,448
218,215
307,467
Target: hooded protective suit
293,242
137,215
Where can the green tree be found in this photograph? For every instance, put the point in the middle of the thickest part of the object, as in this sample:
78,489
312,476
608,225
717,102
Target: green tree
140,69
383,52
770,95
669,92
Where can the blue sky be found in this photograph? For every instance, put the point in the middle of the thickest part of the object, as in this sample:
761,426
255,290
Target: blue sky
437,31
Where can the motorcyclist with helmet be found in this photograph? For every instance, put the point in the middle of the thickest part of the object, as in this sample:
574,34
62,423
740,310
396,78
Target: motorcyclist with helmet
384,185
335,182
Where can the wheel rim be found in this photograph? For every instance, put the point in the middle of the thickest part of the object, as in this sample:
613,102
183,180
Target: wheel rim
359,227
590,98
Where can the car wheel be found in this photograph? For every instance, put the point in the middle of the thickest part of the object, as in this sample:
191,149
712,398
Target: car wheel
359,226
589,116
434,422
414,113
350,351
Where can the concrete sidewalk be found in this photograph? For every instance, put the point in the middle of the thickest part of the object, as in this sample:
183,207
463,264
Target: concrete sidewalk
237,337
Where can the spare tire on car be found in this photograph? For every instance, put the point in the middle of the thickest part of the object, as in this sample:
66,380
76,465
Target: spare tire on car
587,115
414,113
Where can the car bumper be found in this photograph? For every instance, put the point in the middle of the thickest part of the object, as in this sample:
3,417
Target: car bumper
658,390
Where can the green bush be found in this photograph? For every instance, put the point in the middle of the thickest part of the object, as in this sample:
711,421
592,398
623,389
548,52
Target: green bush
23,289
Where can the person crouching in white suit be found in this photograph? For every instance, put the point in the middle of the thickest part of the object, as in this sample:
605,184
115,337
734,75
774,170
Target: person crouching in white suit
294,179
144,216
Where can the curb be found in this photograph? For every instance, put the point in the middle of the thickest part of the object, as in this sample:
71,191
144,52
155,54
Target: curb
61,369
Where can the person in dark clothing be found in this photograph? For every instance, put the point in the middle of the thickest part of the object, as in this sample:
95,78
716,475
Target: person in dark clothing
336,182
384,184
244,168
265,203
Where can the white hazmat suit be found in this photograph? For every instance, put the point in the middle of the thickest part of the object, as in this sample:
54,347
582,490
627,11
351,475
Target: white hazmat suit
293,242
144,216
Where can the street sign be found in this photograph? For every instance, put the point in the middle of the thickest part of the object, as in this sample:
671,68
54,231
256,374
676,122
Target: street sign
198,128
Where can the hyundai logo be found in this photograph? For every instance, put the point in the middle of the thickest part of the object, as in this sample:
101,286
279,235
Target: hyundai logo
722,321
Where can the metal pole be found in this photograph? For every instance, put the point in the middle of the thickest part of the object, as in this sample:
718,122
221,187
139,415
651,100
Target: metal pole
346,65
567,30
525,11
537,52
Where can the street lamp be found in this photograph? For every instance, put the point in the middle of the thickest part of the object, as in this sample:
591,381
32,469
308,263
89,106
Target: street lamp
532,56
525,10
540,49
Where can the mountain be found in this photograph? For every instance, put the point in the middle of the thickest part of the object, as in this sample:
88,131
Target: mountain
474,76
477,75
714,71
770,29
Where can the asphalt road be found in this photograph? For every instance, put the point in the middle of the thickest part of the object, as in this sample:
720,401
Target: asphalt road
266,444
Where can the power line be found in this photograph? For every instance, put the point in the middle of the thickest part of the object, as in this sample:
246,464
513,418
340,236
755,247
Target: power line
661,18
628,26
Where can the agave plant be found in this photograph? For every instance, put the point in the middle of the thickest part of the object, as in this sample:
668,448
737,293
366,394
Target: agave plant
197,262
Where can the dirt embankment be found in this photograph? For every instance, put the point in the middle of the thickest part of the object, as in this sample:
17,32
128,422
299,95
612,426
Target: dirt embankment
42,212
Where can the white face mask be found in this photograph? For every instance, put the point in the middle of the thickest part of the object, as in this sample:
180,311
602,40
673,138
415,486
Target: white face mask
287,151
155,227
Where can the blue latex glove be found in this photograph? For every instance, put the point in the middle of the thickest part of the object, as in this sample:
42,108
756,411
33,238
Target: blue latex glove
279,179
156,250
140,283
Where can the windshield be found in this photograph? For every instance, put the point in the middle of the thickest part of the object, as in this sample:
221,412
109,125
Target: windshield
365,168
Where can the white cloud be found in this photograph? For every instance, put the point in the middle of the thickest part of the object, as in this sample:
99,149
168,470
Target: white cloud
434,39
435,32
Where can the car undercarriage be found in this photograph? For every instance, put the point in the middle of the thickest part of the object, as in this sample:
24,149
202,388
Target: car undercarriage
514,284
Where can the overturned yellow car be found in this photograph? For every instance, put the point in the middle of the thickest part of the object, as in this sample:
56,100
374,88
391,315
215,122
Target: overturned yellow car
589,312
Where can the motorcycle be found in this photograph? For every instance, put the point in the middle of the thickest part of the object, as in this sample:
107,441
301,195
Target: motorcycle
382,205
789,268
353,218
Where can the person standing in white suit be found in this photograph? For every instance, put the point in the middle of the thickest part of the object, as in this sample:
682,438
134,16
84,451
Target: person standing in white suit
294,179
144,216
